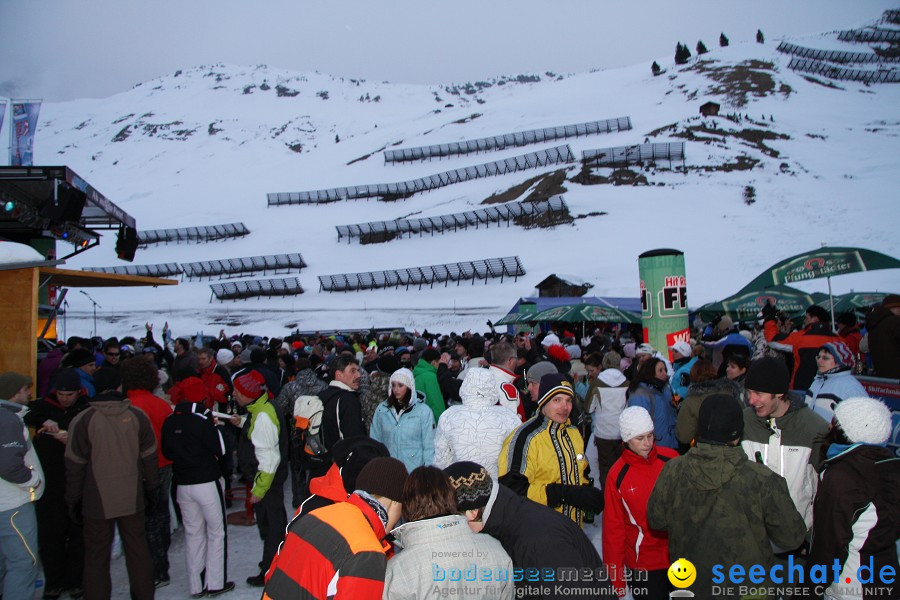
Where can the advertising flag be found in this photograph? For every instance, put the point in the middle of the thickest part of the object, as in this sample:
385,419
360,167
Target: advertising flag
24,122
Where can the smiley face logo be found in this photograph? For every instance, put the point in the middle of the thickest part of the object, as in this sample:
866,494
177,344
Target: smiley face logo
682,573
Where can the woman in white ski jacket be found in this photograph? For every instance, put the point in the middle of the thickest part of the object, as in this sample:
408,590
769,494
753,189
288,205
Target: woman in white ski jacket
474,430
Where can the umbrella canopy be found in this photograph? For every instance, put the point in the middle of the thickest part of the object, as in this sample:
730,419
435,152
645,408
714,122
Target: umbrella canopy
515,319
822,262
746,304
580,313
854,301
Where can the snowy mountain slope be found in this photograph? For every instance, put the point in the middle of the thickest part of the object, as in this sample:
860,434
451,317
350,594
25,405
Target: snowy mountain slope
204,146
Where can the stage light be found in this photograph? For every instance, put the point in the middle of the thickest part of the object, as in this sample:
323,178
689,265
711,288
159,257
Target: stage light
9,205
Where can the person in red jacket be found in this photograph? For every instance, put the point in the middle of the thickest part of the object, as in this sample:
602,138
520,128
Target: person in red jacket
215,376
139,378
628,540
804,344
848,329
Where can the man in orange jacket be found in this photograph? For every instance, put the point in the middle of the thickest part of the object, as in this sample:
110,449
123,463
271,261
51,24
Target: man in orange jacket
339,551
804,344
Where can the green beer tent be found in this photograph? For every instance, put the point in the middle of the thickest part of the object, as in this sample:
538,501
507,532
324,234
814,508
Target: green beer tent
581,313
853,301
745,305
822,262
516,319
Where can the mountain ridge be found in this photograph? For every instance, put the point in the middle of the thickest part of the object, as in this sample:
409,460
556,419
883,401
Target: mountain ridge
204,146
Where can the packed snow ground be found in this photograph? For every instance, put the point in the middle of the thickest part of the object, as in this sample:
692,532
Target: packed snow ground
203,146
244,552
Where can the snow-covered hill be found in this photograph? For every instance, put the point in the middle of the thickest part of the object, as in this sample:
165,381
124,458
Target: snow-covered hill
204,145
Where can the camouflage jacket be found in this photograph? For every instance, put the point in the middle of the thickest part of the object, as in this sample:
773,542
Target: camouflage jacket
720,508
304,384
373,390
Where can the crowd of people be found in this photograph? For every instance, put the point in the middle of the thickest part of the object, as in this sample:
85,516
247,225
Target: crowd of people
423,465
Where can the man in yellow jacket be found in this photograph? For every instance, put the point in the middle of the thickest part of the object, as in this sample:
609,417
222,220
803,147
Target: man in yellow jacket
544,459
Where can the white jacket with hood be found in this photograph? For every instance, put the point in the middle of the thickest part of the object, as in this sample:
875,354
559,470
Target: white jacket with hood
408,434
474,430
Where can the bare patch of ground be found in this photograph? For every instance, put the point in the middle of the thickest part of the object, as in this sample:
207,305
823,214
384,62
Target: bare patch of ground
548,184
741,81
749,136
616,177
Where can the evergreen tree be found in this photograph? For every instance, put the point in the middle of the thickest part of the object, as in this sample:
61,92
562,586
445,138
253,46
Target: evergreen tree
760,38
655,68
723,41
701,48
682,54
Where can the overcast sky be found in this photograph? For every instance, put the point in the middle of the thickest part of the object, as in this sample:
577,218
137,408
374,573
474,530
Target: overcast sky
66,49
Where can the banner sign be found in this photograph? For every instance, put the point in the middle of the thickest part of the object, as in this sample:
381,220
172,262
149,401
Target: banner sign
820,264
2,113
24,122
664,310
887,390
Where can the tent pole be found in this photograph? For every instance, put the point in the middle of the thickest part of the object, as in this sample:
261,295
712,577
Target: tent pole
831,305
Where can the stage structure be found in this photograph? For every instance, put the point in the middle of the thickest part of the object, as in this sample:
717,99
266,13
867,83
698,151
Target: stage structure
40,206
55,204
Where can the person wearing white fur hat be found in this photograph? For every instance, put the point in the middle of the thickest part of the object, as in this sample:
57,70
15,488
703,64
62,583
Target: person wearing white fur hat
404,423
628,541
857,507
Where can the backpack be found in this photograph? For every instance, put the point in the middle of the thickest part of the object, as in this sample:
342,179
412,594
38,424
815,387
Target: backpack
308,431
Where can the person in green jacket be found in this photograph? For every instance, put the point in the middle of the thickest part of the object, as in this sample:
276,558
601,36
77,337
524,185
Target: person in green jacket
425,374
719,507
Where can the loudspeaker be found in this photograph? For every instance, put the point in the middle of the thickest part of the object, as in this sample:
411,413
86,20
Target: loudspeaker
69,205
127,243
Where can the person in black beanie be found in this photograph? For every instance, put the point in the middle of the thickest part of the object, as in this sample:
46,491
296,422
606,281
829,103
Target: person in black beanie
721,423
59,537
544,459
782,432
349,456
717,506
533,535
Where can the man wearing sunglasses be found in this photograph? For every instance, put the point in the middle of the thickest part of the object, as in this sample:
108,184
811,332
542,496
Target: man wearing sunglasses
111,354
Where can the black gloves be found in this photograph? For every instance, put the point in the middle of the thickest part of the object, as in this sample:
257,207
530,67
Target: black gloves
515,481
151,500
75,513
586,497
